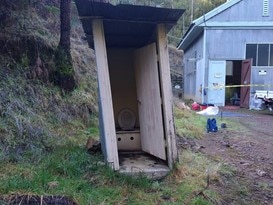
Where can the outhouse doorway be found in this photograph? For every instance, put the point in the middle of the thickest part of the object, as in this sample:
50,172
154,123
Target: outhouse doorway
136,119
136,99
136,96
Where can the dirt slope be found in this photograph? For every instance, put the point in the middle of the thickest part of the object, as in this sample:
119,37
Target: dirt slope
35,114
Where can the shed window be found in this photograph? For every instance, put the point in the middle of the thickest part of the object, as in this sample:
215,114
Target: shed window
263,54
271,54
251,52
265,8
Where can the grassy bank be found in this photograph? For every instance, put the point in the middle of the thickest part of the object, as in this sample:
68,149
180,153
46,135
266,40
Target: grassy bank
68,170
71,172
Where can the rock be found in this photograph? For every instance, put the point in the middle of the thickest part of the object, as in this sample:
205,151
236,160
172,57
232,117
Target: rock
225,143
92,145
260,173
244,163
202,147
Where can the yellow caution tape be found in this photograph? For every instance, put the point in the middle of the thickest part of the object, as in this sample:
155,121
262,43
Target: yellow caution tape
217,86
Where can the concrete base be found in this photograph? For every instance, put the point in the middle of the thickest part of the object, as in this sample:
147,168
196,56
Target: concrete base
142,164
129,140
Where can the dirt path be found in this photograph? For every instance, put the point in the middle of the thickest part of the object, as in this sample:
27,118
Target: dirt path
247,147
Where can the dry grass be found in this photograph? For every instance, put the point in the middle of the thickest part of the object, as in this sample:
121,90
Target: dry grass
193,177
189,124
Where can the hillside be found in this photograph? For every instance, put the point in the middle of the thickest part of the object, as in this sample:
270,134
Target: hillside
35,114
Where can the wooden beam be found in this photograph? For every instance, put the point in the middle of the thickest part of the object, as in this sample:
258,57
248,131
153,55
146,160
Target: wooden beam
122,35
142,21
107,123
167,98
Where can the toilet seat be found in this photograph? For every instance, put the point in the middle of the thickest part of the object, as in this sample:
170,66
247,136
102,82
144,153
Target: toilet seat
126,119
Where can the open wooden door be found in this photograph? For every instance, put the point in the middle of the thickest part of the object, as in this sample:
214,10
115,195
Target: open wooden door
149,101
245,80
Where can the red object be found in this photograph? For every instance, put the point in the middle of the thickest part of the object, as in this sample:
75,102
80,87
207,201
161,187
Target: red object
203,107
195,106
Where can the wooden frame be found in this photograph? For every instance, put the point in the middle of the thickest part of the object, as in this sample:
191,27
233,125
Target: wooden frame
107,122
167,101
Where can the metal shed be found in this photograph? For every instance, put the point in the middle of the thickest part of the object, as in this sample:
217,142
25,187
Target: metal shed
136,118
228,53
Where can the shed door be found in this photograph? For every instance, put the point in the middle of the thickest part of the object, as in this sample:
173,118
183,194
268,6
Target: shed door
149,101
216,82
245,80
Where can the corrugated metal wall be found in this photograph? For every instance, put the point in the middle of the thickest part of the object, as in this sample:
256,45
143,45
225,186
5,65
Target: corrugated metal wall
230,44
191,58
246,10
234,42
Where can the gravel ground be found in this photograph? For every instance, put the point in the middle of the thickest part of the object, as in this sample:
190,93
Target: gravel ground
247,147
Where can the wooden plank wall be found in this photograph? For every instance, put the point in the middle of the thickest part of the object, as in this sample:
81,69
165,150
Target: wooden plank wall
107,116
165,77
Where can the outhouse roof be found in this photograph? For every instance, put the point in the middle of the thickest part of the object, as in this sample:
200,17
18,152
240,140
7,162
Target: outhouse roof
125,25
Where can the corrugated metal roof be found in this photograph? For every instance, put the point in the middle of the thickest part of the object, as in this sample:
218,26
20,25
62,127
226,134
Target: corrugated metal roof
125,25
197,26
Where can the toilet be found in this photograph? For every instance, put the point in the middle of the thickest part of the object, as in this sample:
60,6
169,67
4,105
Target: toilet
126,119
128,137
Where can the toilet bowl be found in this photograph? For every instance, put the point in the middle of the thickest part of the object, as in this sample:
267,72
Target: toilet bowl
126,119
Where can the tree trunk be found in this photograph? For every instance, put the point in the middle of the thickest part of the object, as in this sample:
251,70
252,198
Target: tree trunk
65,8
64,73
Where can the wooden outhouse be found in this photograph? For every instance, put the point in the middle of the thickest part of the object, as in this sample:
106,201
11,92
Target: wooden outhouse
135,99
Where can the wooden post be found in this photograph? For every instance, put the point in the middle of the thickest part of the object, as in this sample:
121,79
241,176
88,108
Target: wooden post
107,123
167,98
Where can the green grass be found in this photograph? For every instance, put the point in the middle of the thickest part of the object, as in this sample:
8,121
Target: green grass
189,124
191,176
70,171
